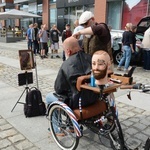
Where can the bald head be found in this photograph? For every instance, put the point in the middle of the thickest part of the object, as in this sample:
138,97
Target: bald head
101,55
71,46
100,65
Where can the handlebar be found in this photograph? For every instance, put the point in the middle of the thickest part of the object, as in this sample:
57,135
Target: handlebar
141,87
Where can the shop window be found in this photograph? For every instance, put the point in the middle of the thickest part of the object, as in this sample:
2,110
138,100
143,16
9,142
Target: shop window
53,17
114,14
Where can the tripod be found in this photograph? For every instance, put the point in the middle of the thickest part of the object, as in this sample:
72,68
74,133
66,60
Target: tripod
24,78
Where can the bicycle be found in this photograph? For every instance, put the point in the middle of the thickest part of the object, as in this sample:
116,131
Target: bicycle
103,121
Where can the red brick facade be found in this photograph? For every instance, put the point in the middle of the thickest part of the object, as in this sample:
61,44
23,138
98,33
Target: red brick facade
46,13
100,10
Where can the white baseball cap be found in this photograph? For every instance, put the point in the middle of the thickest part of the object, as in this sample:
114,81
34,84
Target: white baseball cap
85,16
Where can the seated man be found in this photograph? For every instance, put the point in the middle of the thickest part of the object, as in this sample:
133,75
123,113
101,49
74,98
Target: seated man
78,63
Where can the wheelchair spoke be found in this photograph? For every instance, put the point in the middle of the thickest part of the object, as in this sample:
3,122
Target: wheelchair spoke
62,128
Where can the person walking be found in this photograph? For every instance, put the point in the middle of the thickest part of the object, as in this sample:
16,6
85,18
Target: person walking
43,40
127,47
35,38
54,40
65,34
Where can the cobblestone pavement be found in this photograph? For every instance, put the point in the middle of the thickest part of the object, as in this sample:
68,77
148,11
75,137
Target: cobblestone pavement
134,121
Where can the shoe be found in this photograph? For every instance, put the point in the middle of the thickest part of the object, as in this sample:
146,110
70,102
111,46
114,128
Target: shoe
57,56
126,70
52,56
119,68
45,56
42,57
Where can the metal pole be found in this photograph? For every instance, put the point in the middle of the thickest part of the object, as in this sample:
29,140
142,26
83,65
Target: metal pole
36,72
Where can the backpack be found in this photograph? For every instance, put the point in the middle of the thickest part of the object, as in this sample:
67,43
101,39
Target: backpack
34,106
147,144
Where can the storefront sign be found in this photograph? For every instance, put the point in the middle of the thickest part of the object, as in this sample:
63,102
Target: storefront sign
73,1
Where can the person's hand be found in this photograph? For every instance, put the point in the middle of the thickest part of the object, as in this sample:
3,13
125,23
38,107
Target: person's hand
76,35
132,50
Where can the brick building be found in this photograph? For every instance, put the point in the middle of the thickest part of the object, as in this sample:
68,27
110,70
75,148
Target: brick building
114,12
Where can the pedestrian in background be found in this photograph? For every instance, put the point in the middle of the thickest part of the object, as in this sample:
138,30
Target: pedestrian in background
146,49
127,47
29,36
65,34
35,37
43,40
54,40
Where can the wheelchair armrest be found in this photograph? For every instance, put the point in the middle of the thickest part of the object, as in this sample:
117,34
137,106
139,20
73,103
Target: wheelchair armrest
110,89
60,97
81,80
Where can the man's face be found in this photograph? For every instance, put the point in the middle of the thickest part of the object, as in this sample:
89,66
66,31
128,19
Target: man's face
88,23
44,26
67,27
99,67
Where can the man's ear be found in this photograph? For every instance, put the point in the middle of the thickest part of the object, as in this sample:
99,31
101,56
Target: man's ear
93,19
69,52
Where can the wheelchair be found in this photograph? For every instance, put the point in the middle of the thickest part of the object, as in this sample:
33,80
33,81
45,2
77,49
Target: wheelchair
100,117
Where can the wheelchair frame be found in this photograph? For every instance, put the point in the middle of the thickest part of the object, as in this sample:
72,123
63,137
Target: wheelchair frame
106,124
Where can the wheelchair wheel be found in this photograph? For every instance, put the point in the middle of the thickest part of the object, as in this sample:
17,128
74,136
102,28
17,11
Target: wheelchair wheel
62,128
111,135
116,138
116,135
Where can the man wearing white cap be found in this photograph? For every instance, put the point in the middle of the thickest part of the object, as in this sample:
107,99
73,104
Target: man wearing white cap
97,35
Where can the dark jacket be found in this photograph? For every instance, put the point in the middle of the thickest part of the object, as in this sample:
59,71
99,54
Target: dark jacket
75,66
66,34
127,38
101,40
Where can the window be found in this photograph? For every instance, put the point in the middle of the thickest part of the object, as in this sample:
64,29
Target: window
114,14
53,17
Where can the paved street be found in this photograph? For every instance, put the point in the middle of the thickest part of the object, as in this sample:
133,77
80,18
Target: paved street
19,133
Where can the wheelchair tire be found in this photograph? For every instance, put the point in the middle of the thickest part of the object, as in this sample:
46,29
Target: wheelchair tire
60,119
113,135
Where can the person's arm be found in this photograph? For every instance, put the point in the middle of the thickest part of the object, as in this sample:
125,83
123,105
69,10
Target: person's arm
63,36
85,31
40,33
131,41
50,36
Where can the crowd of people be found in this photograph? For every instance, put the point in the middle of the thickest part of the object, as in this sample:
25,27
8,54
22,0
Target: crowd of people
40,40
